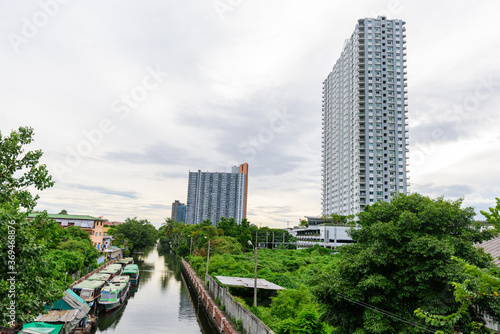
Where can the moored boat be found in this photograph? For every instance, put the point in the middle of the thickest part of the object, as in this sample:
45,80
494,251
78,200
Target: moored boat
89,290
125,261
99,277
113,270
114,293
132,271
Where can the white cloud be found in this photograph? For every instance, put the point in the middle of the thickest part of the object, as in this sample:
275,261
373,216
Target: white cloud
226,78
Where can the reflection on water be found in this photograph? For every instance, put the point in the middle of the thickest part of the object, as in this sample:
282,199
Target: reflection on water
159,304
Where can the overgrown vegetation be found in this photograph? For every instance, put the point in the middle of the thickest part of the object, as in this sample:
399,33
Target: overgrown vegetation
136,233
402,261
414,268
72,250
293,310
227,237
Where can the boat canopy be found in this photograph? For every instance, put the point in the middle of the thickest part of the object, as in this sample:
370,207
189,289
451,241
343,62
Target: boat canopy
126,260
130,269
120,279
111,269
94,284
99,277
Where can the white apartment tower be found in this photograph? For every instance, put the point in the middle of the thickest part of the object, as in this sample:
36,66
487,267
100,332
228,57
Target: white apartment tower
365,129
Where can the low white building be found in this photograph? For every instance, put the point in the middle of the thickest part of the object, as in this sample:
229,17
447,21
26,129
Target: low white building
322,232
325,236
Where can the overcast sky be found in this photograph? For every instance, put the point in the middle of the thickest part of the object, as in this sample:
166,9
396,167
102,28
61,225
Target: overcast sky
126,97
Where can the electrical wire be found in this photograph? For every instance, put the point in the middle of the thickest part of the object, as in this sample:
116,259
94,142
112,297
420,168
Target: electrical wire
387,313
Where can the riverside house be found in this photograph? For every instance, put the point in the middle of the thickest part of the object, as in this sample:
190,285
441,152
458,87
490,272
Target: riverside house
94,226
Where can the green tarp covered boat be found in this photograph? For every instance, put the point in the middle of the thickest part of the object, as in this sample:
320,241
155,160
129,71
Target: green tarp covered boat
132,271
114,292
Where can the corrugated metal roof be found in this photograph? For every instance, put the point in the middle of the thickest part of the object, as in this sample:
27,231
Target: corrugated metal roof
248,282
57,316
492,247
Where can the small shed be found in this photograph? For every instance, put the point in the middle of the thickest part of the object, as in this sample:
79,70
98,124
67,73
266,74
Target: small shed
113,252
69,310
248,283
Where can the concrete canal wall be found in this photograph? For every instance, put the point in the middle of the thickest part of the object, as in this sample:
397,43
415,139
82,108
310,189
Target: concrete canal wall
223,324
250,323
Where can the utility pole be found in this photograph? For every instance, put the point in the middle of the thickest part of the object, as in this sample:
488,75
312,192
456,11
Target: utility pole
208,259
191,247
255,275
255,281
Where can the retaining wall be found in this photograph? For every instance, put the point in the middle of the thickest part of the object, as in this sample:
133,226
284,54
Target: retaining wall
250,322
218,318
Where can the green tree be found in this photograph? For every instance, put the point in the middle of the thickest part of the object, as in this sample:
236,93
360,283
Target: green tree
139,233
27,279
402,260
482,287
223,245
63,212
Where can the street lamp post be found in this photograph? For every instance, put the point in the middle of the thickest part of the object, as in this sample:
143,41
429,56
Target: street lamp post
255,275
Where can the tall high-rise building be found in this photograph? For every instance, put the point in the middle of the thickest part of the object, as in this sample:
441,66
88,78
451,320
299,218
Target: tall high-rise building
365,129
212,195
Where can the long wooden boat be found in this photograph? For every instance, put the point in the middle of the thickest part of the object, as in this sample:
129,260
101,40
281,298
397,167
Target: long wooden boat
132,271
89,290
114,293
99,277
113,270
125,261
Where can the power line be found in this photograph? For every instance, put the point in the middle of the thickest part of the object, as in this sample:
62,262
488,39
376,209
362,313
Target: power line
387,313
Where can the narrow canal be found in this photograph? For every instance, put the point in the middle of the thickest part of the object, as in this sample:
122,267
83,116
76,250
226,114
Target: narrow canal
161,303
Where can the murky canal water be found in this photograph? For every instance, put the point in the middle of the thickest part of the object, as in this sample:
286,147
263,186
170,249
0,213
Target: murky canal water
159,304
